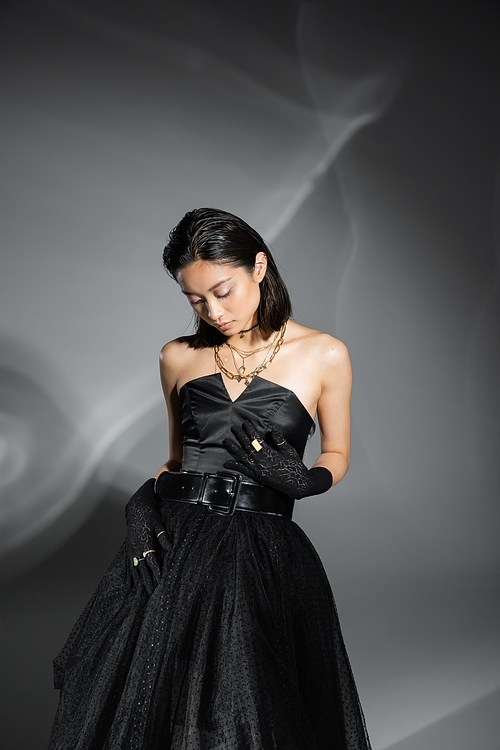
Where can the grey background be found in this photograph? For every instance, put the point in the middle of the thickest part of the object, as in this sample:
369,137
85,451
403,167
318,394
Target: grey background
362,140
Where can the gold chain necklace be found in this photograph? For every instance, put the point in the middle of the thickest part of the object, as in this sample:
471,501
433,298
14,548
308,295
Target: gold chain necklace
242,368
245,354
248,377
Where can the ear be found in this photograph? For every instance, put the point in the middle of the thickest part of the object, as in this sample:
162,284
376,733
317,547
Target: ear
260,267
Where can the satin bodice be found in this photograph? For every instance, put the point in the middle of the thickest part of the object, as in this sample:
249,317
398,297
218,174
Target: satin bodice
208,413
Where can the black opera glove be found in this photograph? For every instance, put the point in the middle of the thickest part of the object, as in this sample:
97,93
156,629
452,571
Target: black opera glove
278,466
145,531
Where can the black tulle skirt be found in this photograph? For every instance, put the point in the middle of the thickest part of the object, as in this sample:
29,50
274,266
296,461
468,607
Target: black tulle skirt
239,647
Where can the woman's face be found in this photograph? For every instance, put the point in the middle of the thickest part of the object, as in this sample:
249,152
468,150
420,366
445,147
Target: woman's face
224,296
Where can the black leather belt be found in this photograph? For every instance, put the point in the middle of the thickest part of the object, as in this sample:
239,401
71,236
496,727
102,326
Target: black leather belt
222,493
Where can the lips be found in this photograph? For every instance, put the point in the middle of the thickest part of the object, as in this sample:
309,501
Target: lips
224,326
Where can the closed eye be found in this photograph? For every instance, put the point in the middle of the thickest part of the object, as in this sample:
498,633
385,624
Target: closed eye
223,296
217,296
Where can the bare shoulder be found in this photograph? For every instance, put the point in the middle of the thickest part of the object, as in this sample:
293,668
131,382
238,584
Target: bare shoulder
318,345
174,356
328,363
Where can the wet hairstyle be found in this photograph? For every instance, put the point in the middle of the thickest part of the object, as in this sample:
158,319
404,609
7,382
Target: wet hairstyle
220,237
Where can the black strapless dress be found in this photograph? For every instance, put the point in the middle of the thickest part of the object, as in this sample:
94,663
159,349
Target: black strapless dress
239,647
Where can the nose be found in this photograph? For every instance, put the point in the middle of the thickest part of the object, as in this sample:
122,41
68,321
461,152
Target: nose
214,311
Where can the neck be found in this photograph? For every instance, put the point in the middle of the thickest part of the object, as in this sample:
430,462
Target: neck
251,340
243,333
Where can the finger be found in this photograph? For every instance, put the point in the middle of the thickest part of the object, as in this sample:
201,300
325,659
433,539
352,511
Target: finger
242,460
243,438
230,445
252,432
146,576
282,445
133,559
255,441
163,537
154,565
235,450
280,442
135,574
236,465
239,467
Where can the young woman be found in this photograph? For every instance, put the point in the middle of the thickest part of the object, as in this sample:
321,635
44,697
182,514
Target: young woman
226,636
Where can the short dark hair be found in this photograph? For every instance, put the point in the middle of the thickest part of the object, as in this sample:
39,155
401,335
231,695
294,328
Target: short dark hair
218,236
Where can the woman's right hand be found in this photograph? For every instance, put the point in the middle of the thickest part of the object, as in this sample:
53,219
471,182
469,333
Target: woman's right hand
145,531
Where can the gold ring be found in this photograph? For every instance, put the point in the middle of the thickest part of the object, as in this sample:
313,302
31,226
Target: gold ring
147,552
161,532
256,445
283,443
137,560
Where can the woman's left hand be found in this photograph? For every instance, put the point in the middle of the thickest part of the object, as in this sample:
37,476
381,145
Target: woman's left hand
279,467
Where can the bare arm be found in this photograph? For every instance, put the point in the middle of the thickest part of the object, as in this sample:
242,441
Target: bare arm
169,365
334,409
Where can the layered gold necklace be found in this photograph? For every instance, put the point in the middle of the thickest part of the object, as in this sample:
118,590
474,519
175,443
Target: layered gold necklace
241,373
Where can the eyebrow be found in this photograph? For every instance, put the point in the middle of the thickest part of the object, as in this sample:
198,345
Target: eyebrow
222,281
